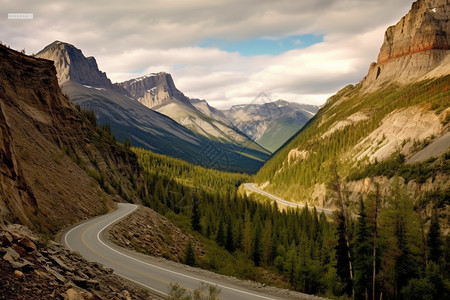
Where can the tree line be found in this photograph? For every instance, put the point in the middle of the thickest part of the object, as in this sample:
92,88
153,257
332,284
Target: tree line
391,250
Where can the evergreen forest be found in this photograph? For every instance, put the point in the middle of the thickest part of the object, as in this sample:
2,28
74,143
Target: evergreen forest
390,248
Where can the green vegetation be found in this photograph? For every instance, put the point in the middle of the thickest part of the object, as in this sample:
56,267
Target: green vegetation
296,180
242,236
381,252
395,166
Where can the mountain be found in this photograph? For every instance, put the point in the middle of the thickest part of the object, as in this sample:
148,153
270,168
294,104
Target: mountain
55,166
395,122
158,92
271,124
415,48
210,111
80,79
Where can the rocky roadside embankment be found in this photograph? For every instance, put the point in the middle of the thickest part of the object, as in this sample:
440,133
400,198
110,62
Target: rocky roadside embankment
148,232
28,271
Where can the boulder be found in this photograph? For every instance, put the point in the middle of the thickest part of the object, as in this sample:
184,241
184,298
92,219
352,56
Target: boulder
28,244
18,274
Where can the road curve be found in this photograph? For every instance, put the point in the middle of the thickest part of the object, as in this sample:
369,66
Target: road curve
251,186
153,274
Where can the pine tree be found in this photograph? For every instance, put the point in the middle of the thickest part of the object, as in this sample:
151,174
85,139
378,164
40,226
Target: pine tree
257,249
376,212
267,242
401,235
363,257
189,257
230,238
343,248
220,237
247,234
434,240
195,217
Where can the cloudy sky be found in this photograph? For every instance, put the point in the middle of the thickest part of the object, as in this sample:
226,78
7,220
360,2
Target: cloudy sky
224,51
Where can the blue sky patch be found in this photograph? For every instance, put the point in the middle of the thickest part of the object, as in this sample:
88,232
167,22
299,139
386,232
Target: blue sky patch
263,46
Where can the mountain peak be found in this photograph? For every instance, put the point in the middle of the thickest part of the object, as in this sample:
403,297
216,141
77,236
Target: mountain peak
154,89
416,47
424,28
72,65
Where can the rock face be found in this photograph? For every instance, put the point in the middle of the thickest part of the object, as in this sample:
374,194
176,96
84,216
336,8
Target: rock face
71,64
46,145
271,124
154,90
51,271
417,46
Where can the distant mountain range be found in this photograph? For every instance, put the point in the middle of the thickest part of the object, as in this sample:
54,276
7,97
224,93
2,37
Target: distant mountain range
158,92
153,114
271,124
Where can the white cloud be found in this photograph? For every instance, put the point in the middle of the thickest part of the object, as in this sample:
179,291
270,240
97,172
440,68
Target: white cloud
150,36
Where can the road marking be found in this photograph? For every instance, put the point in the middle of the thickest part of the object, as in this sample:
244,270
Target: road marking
140,261
111,261
173,272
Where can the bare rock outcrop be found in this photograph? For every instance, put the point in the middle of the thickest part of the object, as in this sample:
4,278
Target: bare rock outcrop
31,270
154,90
416,47
71,64
47,146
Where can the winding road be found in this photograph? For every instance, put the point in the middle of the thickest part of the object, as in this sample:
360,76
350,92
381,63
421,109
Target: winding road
150,272
251,186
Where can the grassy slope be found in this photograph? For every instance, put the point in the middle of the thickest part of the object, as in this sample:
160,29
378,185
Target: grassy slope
296,180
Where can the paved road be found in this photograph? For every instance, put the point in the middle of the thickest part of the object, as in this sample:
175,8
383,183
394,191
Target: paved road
151,273
251,186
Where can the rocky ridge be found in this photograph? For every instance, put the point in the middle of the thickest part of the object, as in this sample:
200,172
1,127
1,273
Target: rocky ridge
158,92
418,46
46,145
30,270
154,90
72,65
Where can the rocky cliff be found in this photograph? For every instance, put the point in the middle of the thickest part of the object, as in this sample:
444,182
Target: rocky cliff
72,65
154,90
418,46
54,166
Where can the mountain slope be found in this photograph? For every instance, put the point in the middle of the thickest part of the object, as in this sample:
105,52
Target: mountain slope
158,92
46,146
271,124
374,129
87,86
